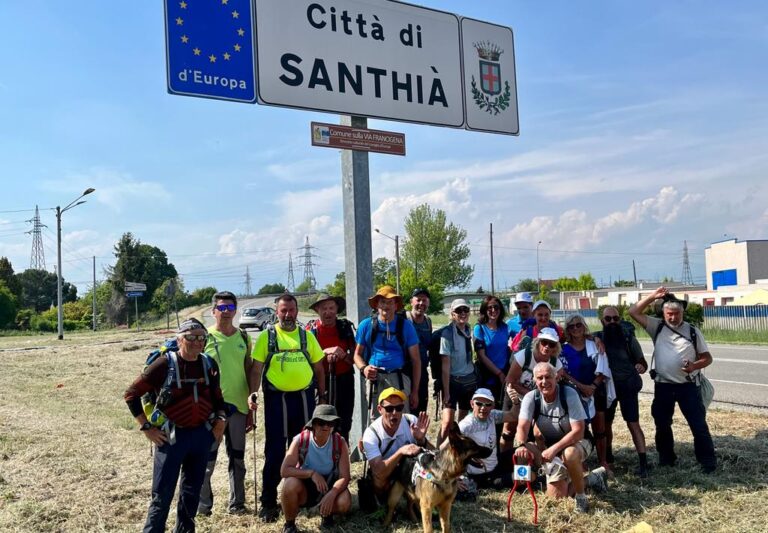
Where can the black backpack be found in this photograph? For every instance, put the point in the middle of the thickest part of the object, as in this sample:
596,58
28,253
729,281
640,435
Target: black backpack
436,358
537,397
399,324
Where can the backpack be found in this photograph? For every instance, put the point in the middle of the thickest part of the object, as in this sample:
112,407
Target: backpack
273,348
436,358
530,323
306,435
153,403
345,328
399,324
537,397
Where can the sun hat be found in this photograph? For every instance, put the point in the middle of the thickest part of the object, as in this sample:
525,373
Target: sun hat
341,303
483,393
388,292
324,412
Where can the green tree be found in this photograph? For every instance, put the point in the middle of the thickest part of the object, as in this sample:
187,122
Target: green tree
436,249
8,306
170,291
304,286
586,282
339,286
39,289
527,285
566,284
623,283
140,263
9,278
272,288
384,272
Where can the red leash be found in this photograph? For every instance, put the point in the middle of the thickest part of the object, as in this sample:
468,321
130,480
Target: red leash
523,473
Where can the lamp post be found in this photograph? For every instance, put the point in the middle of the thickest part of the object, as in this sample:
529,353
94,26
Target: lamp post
538,271
59,295
396,238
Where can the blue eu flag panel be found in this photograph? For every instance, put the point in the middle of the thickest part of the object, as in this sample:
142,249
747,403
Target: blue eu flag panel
210,50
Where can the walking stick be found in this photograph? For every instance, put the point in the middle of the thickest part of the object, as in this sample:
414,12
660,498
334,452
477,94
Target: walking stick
255,470
332,384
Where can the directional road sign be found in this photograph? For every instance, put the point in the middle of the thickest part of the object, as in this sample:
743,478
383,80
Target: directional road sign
135,286
134,294
209,49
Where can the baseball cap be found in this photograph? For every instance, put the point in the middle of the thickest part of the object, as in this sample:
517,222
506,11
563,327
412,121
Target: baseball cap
483,393
523,297
459,302
191,324
549,334
392,391
419,291
539,303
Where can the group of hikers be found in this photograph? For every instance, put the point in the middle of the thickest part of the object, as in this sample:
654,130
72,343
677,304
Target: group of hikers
530,390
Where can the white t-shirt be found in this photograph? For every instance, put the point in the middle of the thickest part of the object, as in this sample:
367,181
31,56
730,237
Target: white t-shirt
402,436
526,378
671,350
483,432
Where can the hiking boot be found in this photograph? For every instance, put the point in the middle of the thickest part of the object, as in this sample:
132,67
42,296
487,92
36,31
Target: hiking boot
238,510
708,469
290,527
269,513
642,471
582,503
597,479
204,512
327,522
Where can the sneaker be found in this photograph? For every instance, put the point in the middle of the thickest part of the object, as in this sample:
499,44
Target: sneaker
597,479
204,512
327,522
238,510
582,504
290,528
269,514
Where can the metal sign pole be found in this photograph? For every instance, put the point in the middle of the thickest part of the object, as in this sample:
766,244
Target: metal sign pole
136,303
357,250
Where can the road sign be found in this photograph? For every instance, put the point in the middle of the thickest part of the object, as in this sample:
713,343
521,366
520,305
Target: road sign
347,138
209,49
134,294
135,286
361,57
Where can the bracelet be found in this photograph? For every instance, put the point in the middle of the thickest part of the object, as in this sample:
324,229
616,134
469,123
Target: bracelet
222,417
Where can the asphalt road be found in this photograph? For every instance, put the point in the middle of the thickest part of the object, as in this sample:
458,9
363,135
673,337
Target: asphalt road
738,373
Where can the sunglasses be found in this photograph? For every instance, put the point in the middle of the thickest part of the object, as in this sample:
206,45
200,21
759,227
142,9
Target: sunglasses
494,308
548,344
483,404
574,326
462,311
225,307
324,423
394,408
192,338
611,318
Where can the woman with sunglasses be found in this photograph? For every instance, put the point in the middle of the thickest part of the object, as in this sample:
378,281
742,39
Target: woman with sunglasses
491,334
585,367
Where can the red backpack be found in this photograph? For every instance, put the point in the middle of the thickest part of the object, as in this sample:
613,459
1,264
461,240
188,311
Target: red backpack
304,438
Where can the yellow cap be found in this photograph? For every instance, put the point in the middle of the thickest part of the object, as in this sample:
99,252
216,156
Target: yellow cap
392,391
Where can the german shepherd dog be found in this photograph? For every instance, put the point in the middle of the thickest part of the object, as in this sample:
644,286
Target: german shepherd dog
439,484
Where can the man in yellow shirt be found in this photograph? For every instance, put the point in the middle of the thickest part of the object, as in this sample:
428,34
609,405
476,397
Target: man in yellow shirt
291,363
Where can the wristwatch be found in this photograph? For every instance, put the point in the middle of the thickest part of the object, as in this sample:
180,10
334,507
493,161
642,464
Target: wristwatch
146,426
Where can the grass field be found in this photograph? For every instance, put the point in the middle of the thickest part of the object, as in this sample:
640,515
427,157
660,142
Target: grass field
71,458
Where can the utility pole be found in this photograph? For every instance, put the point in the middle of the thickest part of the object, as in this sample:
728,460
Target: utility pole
291,286
37,261
493,287
93,294
634,272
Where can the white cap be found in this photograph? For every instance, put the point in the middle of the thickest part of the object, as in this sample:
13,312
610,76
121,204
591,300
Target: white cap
459,302
523,297
483,393
539,303
549,334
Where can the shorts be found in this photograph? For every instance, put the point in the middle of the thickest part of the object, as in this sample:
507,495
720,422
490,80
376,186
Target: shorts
313,495
460,394
627,396
601,399
556,471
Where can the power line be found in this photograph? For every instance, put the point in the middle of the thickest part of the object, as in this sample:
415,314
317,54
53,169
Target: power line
37,259
291,281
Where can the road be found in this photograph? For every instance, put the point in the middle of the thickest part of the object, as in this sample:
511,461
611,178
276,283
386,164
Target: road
738,373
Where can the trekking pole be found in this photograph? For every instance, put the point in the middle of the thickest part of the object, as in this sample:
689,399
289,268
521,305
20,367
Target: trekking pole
255,470
332,384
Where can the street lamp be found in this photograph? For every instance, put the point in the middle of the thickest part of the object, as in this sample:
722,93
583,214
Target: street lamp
59,295
538,271
396,238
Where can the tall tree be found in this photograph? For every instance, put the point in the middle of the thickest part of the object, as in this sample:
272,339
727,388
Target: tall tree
383,272
7,306
339,286
7,276
39,289
527,285
435,248
140,263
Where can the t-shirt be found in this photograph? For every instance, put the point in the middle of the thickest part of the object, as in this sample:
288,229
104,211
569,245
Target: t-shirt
483,432
318,458
495,340
387,353
622,361
424,333
328,337
453,344
515,324
526,377
230,353
553,422
671,349
402,436
583,366
288,370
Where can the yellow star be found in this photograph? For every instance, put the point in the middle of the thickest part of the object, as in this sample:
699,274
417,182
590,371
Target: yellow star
183,5
235,15
237,48
184,39
179,21
224,2
196,51
241,32
226,56
212,58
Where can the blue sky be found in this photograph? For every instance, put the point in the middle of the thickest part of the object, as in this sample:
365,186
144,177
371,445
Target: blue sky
642,125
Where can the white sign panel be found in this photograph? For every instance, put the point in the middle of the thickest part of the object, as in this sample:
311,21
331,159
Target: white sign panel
361,57
489,77
132,286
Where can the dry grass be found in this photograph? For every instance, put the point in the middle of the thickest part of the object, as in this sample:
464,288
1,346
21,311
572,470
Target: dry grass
72,460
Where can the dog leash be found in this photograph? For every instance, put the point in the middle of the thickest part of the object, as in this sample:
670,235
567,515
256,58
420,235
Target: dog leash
523,473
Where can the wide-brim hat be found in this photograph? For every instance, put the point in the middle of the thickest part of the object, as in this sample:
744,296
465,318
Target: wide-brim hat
324,412
388,292
341,303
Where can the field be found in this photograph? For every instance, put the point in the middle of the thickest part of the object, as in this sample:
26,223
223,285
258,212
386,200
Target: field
71,458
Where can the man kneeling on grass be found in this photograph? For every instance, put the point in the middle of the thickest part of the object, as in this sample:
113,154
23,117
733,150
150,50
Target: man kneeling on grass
316,470
559,419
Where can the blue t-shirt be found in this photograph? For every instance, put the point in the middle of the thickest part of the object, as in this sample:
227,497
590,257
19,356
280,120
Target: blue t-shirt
496,348
387,353
514,325
578,364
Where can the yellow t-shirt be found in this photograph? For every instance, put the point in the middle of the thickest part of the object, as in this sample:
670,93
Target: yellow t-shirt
288,370
230,357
